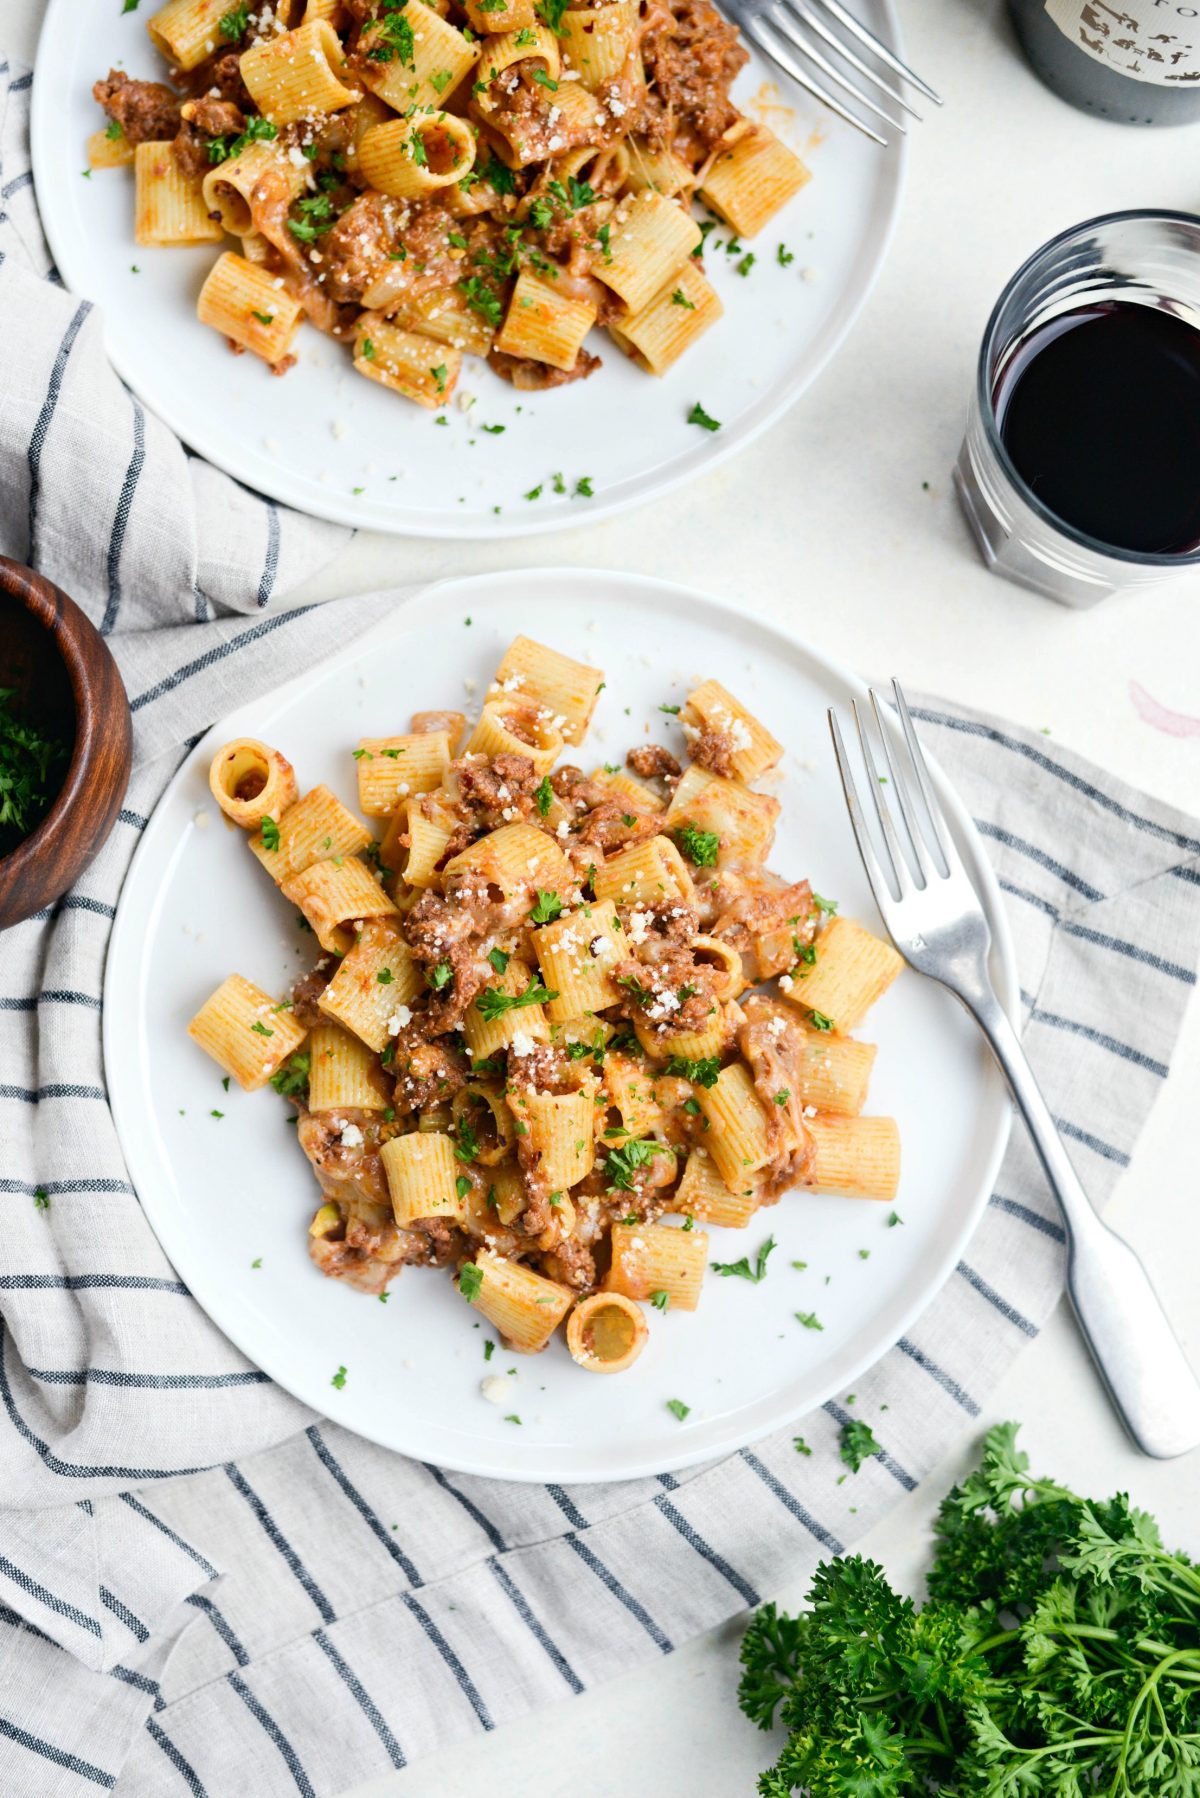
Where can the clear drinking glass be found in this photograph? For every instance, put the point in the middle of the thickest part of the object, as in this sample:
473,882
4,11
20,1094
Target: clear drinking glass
1150,258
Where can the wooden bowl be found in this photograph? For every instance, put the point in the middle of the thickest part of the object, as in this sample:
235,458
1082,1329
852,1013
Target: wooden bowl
68,684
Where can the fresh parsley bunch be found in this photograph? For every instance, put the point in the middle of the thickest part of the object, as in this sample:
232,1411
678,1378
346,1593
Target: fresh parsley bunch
31,771
1058,1657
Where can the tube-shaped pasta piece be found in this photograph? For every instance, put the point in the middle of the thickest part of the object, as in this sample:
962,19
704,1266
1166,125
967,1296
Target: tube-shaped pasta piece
525,1307
390,768
626,786
298,74
517,858
422,1176
428,823
631,1105
492,19
832,1072
409,158
567,689
241,301
651,870
653,1258
425,69
443,315
251,781
597,40
703,1194
743,820
169,205
659,334
695,1045
649,240
753,749
375,984
559,1127
334,896
342,1073
737,1136
660,170
253,190
483,1123
751,178
318,825
576,954
724,962
245,1031
534,735
408,363
186,31
110,148
857,1157
852,969
534,48
544,325
487,1035
606,1332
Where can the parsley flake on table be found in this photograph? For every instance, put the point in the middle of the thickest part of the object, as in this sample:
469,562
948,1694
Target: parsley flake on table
698,416
678,1409
810,1320
339,1378
894,1218
742,1269
857,1444
785,257
41,1199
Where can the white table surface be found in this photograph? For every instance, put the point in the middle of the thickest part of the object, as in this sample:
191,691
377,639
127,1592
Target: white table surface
827,522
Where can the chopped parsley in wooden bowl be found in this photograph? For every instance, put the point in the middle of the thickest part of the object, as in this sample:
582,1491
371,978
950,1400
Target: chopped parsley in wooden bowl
65,742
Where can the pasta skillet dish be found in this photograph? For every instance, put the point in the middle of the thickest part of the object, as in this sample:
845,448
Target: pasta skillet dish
424,179
560,1022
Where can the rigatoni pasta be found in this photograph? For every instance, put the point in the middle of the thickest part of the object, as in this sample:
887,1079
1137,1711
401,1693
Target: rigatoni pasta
560,1027
498,177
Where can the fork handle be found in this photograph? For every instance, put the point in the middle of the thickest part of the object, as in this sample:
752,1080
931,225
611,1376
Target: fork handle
1148,1377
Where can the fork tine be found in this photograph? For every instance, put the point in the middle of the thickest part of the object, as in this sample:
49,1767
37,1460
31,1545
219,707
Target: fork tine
881,50
753,27
904,879
814,23
937,817
784,26
862,836
900,788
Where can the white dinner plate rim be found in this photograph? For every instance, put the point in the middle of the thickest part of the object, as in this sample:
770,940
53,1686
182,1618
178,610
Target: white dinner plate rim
224,452
118,976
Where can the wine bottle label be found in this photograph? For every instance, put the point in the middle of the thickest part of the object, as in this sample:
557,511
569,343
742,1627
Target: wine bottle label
1149,40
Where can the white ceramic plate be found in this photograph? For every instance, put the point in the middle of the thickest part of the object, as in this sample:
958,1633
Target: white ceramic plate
221,1193
329,442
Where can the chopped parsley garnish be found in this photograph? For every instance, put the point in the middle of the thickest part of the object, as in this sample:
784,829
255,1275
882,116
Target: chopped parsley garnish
534,493
549,906
492,1004
679,298
782,1096
602,238
742,1269
260,1029
858,1444
113,132
339,1378
543,794
489,1348
828,906
801,1446
700,846
583,488
784,257
499,960
894,1219
234,24
678,1409
415,146
747,263
470,1280
466,1141
810,1320
318,218
819,1021
264,318
291,1079
623,1163
541,215
703,1072
41,1199
661,1300
220,149
394,40
698,416
439,375
440,975
440,80
512,1416
384,977
31,770
550,12
368,351
462,1186
269,830
673,710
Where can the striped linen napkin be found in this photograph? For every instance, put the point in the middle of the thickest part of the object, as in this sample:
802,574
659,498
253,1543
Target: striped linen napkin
205,1588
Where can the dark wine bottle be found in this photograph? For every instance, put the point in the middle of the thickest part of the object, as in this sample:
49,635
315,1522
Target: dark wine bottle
1134,61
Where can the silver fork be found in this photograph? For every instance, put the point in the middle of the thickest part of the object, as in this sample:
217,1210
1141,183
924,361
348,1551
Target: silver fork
780,28
936,921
